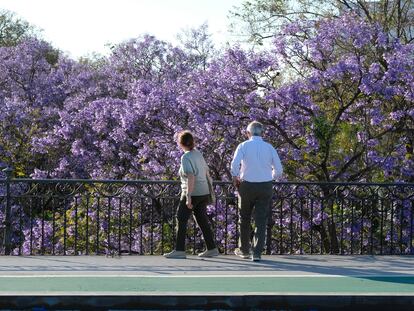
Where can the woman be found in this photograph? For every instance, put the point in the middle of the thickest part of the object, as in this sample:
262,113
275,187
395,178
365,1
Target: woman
194,197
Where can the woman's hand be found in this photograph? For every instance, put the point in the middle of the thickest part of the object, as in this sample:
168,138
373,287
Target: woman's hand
189,203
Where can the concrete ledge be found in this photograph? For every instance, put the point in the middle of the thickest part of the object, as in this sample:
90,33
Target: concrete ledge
239,302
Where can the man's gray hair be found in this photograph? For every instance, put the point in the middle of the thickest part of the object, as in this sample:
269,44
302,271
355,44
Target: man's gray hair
255,128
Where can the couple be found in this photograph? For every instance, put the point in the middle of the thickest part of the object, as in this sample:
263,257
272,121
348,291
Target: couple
255,164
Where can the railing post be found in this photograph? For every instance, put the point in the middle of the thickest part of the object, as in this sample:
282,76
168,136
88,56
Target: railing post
269,229
7,232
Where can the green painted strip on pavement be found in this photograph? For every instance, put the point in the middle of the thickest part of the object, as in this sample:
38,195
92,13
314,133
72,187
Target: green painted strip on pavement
323,285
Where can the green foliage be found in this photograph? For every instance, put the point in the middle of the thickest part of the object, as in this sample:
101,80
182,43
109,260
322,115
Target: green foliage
13,29
323,130
261,19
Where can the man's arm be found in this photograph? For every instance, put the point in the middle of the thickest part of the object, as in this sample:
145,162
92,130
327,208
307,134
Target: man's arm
235,166
276,164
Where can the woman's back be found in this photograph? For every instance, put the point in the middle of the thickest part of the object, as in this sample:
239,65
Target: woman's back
192,162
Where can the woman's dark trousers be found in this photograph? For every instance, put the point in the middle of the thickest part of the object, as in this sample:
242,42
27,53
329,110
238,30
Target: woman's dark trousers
200,215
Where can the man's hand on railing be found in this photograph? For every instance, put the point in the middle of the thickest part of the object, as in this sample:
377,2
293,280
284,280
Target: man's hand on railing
236,182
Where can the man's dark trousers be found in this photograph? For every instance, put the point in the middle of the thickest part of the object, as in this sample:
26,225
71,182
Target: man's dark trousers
254,197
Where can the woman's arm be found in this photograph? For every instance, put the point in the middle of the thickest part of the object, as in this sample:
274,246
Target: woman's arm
191,182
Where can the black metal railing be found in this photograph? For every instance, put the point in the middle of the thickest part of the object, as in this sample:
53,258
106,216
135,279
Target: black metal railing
76,217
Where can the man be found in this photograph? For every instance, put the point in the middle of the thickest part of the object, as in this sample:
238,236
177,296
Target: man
255,164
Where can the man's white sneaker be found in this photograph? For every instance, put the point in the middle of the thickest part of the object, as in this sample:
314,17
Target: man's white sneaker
239,253
209,253
176,254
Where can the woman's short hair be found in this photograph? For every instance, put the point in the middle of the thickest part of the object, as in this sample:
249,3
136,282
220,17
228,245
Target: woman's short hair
186,139
255,128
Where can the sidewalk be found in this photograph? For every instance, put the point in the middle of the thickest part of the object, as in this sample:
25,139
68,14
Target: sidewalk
224,265
385,279
230,268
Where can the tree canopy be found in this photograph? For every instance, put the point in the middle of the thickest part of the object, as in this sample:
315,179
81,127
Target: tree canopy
13,29
344,114
263,19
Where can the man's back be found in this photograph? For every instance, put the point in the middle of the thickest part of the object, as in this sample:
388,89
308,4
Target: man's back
254,161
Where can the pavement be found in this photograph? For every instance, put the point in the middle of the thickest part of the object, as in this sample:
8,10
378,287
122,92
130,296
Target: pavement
230,275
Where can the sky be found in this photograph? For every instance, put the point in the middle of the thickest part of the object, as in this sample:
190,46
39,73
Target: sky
81,27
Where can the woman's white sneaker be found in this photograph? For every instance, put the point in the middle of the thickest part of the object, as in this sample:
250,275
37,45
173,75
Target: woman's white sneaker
209,253
176,254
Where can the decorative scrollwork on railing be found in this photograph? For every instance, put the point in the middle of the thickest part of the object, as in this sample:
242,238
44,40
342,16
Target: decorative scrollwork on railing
96,216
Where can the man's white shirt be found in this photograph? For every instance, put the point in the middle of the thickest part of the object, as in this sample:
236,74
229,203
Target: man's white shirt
256,161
